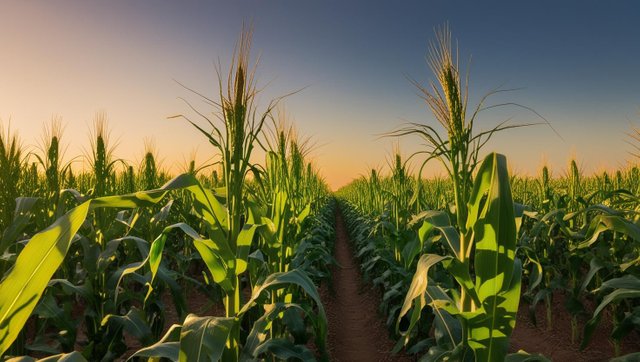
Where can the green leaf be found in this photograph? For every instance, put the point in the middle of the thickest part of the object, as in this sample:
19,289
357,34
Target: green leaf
133,323
304,214
167,347
594,265
460,271
21,218
204,338
67,357
495,230
438,220
252,347
285,350
418,295
612,297
245,239
498,275
602,223
299,278
34,267
625,282
627,265
64,357
535,278
216,254
630,322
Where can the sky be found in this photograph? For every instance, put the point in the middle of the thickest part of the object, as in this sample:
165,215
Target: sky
573,62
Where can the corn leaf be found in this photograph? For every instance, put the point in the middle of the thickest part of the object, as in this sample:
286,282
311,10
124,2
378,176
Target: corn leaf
167,347
204,338
34,267
498,275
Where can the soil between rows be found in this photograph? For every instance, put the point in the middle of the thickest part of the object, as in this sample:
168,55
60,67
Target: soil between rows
356,330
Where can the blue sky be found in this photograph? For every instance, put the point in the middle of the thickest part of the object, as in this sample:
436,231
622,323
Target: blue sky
576,63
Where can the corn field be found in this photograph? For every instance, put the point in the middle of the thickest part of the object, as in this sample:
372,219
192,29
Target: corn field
104,263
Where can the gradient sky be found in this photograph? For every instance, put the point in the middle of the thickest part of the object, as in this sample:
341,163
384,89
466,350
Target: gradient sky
576,62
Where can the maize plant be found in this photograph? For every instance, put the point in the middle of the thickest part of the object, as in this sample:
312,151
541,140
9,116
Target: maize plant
486,319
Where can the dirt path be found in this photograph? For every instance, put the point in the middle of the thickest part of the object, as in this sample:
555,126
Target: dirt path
356,330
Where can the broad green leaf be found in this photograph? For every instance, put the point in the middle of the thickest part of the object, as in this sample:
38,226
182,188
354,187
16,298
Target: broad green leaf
34,267
625,282
259,332
418,293
491,217
594,265
494,229
299,278
535,278
245,239
216,254
602,223
627,265
629,323
490,334
215,263
440,221
452,237
616,295
204,338
83,290
304,214
519,211
434,217
447,329
460,271
167,347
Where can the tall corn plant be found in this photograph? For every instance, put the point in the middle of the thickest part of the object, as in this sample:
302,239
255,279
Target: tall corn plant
234,140
11,165
50,159
101,157
492,285
12,176
148,168
482,240
400,190
285,184
232,226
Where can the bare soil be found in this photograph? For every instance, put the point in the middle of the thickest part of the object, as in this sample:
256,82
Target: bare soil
356,330
554,342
